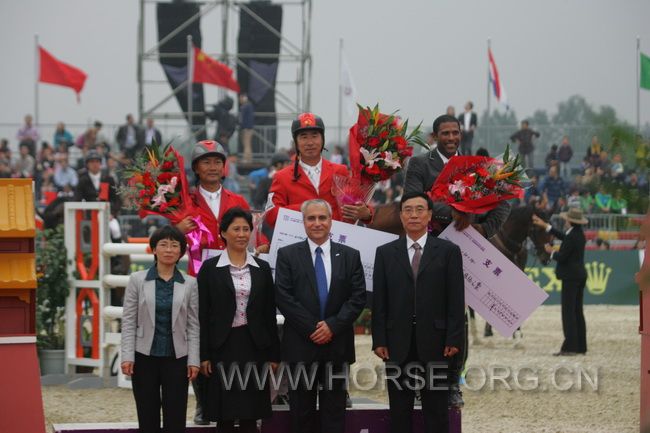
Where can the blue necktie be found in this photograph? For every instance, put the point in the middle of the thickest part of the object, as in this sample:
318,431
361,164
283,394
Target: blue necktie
321,280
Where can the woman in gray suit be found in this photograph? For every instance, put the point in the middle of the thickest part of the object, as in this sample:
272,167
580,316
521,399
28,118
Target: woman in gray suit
160,335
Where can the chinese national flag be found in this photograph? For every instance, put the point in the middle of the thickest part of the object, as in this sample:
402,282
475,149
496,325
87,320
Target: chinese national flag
207,70
54,71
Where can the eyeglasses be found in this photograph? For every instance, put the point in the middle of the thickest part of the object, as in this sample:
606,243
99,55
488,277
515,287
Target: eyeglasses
420,210
168,246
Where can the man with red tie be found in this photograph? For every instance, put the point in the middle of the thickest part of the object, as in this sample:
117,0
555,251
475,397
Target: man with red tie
311,176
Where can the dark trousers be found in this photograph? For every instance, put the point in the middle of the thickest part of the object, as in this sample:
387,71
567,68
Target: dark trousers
331,399
150,374
573,317
401,393
457,362
466,144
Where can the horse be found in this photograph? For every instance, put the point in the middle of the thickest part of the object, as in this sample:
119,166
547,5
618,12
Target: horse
510,240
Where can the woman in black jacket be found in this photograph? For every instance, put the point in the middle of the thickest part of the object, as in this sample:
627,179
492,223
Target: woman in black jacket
238,329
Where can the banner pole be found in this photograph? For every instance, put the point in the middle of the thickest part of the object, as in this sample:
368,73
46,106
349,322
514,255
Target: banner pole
340,125
190,87
638,84
36,77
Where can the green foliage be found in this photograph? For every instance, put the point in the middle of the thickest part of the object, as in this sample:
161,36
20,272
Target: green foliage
53,287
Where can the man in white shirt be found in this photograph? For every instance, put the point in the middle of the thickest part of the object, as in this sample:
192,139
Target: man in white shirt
468,123
151,133
320,290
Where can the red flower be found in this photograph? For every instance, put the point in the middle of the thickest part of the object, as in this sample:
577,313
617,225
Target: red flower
383,134
400,142
164,177
408,151
482,172
146,179
174,201
142,193
373,142
374,170
163,207
168,165
490,183
469,180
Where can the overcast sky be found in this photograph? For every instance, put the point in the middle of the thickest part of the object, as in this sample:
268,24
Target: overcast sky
416,56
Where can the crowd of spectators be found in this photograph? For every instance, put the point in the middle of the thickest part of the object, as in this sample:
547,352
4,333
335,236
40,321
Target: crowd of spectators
604,182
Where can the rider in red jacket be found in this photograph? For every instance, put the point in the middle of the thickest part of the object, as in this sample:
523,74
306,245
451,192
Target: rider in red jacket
211,198
310,176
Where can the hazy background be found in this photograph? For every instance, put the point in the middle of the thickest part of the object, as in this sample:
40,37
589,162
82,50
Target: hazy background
416,56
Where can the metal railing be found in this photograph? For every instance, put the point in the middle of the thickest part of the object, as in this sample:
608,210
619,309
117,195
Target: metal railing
607,222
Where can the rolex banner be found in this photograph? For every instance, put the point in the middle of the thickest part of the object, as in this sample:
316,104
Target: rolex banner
610,278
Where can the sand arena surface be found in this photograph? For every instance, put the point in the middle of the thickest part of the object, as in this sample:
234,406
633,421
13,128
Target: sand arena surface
607,403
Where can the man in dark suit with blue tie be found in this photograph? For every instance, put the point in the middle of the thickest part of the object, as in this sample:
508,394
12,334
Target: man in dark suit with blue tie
320,290
418,305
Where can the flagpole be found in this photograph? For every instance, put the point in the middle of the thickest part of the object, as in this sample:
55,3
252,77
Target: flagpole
36,77
340,89
488,90
190,87
638,84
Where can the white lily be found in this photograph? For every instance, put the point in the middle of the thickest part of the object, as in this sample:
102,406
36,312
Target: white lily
390,162
370,157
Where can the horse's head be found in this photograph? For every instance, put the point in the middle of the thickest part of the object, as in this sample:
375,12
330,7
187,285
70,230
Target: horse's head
540,237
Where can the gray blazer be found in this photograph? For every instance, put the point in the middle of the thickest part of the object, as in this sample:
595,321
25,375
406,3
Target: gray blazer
422,172
139,318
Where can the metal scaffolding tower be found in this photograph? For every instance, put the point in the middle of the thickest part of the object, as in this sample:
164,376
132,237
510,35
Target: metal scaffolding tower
292,96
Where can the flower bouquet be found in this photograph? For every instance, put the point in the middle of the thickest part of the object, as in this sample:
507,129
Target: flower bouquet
157,185
477,184
378,146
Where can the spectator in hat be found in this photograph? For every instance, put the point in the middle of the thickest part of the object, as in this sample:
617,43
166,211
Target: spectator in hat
571,271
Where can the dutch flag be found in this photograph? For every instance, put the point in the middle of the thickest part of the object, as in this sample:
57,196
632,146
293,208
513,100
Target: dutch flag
497,86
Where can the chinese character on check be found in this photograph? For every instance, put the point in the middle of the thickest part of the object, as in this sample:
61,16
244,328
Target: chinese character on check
487,263
342,239
497,271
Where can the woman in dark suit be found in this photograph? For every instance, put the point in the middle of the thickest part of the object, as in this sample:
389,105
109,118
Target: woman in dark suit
238,328
160,335
571,271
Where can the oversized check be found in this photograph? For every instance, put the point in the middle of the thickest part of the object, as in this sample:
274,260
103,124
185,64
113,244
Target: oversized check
289,229
494,287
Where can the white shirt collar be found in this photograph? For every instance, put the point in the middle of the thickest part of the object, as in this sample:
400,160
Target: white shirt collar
224,260
325,247
445,160
421,241
95,177
569,230
210,195
312,168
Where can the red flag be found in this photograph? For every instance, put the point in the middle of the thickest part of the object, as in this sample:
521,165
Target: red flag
54,71
208,70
